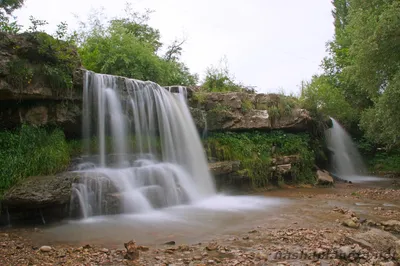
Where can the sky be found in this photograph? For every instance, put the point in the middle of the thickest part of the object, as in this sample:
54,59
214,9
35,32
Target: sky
270,44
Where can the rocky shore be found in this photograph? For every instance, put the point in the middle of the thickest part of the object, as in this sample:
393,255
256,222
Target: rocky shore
351,224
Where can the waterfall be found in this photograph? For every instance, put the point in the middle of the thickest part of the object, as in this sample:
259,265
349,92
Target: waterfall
346,160
142,137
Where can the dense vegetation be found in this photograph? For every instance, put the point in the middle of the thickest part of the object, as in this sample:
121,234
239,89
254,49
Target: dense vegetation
360,85
256,151
31,151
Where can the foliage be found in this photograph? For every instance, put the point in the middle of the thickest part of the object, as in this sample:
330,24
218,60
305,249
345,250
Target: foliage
360,85
384,161
31,151
219,79
321,96
7,22
255,151
127,47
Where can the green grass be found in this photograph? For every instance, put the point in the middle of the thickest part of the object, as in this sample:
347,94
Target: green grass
31,151
255,152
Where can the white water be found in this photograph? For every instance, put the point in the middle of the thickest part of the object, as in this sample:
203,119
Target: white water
147,147
134,117
347,162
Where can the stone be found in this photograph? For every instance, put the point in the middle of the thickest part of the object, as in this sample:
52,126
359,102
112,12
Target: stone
391,225
350,223
324,178
51,195
45,249
132,252
397,249
375,239
233,111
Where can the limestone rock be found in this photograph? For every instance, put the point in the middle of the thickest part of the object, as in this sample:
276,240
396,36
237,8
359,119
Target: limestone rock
324,178
235,111
224,168
375,239
45,248
50,197
391,225
351,223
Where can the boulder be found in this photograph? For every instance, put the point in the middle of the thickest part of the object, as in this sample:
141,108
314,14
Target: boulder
375,239
391,225
52,197
224,168
324,178
228,175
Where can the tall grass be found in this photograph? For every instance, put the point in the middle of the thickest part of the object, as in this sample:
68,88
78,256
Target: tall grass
31,151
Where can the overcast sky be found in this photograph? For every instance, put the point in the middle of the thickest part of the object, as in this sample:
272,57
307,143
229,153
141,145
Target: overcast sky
271,44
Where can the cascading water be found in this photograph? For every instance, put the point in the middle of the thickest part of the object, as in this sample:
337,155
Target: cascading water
346,160
146,144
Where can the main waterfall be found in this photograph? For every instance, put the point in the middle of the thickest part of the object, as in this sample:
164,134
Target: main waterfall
141,139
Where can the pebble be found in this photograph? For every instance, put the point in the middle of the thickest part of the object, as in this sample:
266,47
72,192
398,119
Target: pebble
45,248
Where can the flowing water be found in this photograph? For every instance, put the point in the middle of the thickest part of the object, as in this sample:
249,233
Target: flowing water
147,167
346,162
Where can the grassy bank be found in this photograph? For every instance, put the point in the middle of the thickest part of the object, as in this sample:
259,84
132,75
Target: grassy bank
31,151
256,151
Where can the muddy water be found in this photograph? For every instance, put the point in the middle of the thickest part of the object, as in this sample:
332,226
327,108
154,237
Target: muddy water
218,216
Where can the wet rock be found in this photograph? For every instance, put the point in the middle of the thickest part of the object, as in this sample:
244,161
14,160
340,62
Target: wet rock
132,252
350,223
45,249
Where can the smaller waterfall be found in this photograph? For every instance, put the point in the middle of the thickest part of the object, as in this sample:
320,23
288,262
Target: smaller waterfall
346,160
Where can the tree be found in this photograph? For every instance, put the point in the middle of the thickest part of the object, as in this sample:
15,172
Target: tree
6,9
127,46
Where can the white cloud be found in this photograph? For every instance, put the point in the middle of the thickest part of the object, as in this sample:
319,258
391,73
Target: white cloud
269,43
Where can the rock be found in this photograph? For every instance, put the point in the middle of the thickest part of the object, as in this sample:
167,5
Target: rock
233,111
132,252
392,225
170,243
345,251
397,249
375,239
324,178
45,249
350,223
212,246
50,194
224,168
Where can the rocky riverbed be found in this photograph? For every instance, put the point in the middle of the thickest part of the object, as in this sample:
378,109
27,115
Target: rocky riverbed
350,224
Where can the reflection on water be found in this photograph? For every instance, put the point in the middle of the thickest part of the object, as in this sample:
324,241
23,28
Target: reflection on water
183,224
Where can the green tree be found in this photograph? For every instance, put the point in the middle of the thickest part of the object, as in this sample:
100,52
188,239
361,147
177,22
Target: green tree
128,47
7,23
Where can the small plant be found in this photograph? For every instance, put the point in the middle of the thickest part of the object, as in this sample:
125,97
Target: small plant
247,105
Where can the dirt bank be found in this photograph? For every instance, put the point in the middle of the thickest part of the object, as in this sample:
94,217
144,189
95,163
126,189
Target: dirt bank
310,231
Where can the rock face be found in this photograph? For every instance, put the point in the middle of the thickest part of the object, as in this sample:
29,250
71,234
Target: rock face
40,82
51,197
235,111
227,175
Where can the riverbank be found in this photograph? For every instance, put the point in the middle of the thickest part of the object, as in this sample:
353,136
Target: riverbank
310,230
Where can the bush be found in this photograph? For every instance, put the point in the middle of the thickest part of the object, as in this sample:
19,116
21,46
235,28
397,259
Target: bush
256,150
31,151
